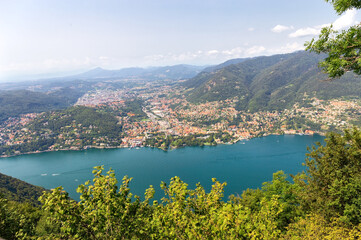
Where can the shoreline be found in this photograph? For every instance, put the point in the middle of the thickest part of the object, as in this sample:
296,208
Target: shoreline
172,148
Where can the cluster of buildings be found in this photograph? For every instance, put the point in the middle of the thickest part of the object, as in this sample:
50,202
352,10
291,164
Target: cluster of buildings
332,114
176,116
14,131
169,114
102,96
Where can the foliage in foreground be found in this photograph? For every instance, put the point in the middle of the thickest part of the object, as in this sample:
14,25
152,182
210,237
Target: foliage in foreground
343,47
321,203
19,191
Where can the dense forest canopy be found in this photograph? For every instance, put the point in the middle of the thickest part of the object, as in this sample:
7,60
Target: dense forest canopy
20,191
16,102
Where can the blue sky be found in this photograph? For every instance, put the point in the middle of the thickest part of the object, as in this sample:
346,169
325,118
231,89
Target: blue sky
47,37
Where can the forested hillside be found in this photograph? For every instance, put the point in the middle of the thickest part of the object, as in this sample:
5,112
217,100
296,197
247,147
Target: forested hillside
16,102
271,83
16,190
73,128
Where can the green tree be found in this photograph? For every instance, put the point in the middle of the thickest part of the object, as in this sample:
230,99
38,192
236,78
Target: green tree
18,220
103,212
332,184
343,48
317,227
341,6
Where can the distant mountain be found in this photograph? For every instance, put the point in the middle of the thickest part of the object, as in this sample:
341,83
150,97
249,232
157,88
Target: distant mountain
229,81
114,78
16,190
98,72
270,83
225,64
176,72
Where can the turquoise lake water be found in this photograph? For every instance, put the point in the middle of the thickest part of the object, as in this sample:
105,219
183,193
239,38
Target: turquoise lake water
242,165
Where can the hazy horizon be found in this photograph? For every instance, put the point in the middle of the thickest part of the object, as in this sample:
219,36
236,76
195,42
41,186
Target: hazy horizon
47,38
51,75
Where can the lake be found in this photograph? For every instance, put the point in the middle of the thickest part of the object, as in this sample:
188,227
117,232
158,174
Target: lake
246,164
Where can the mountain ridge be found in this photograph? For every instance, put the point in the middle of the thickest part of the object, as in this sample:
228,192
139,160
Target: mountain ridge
17,190
270,82
175,72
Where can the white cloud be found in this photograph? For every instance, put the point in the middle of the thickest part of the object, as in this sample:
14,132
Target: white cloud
210,56
303,32
288,48
215,56
254,51
235,52
212,52
251,29
346,20
281,28
103,58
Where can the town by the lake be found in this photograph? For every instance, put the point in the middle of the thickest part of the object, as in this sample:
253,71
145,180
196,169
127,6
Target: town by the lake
166,120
